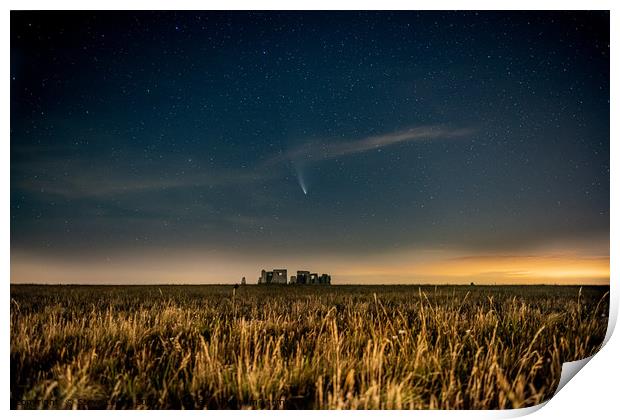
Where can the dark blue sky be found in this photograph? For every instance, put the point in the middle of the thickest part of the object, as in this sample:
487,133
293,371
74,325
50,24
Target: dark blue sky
167,132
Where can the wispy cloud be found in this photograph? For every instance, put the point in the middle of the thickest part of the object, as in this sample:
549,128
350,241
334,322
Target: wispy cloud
57,172
323,150
90,178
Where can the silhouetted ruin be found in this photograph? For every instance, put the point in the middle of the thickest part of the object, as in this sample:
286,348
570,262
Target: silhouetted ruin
279,276
303,277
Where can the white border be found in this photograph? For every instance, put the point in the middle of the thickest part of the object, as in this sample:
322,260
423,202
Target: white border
593,393
312,5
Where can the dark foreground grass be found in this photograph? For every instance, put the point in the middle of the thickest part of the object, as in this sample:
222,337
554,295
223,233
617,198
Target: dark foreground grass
297,347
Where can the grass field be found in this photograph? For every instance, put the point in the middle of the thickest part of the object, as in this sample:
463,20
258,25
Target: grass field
449,347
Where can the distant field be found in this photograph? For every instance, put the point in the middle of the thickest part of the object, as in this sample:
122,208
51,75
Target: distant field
324,347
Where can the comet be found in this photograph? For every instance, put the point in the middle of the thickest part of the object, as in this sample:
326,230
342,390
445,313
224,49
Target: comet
300,178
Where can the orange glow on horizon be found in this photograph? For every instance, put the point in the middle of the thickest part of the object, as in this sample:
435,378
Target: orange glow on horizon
518,269
413,267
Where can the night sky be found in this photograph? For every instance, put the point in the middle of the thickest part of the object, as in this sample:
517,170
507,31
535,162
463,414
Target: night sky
385,147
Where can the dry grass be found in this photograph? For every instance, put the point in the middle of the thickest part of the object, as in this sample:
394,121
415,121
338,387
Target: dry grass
297,347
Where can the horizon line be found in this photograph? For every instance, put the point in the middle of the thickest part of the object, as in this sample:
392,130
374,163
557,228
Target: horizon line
312,285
